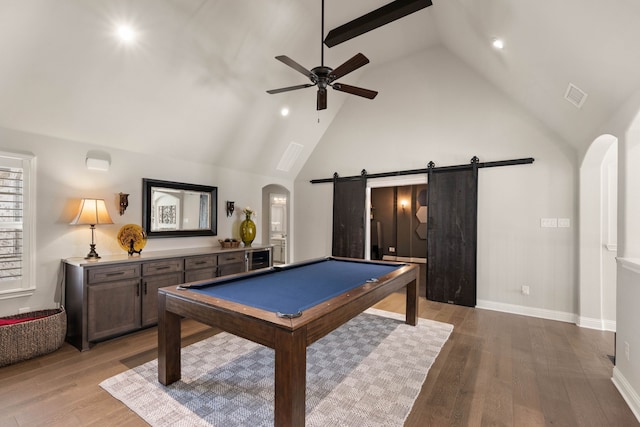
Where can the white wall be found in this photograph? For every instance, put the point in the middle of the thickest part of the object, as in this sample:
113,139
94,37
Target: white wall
609,236
437,109
626,374
62,179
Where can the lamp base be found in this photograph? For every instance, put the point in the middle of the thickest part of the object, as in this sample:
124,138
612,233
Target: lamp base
92,253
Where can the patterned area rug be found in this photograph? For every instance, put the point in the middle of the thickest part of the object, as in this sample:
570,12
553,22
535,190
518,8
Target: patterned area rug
368,372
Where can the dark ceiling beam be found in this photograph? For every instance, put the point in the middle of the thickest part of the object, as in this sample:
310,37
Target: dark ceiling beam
372,20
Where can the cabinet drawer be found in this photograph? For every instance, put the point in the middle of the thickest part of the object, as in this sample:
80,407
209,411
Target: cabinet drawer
231,258
160,267
205,261
117,272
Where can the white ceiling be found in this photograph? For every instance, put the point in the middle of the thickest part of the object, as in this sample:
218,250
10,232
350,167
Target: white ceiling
194,86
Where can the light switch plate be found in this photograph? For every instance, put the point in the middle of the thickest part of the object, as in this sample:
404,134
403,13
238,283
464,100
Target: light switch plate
564,222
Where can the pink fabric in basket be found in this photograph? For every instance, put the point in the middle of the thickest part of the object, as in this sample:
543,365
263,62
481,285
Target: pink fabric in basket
5,322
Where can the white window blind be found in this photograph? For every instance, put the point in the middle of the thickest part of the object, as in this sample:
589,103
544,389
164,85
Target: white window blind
16,225
11,216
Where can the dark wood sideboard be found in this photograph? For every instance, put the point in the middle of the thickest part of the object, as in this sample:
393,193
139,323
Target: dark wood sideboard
118,294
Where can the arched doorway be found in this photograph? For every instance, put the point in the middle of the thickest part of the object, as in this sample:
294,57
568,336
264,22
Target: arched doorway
598,234
276,222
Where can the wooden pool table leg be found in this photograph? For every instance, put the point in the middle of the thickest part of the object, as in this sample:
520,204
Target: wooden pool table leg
412,303
169,367
290,377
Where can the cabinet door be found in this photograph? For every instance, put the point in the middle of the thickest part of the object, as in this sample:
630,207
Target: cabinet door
277,251
150,286
113,308
227,269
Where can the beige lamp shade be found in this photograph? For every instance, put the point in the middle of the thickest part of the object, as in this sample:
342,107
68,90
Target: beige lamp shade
92,212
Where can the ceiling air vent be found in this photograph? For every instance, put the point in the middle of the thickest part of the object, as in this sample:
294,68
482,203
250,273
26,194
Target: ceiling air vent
575,95
289,157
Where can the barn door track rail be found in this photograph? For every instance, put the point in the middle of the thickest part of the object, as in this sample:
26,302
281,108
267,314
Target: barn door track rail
431,166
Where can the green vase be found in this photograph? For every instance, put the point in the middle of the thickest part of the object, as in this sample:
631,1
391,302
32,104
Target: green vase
247,231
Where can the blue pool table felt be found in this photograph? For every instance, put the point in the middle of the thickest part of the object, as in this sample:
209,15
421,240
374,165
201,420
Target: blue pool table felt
295,289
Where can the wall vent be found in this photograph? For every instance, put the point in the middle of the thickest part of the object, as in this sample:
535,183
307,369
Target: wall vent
575,95
289,157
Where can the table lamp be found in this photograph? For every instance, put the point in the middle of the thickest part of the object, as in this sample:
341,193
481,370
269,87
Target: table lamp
92,212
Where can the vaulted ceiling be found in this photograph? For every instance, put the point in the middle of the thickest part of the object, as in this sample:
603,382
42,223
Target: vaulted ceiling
194,84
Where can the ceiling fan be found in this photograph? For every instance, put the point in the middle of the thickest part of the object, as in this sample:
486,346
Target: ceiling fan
323,76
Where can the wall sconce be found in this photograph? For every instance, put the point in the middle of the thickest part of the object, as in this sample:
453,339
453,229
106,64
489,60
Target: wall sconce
230,207
124,202
403,204
92,212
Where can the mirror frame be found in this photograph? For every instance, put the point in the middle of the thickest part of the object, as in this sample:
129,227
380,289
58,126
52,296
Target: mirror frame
149,184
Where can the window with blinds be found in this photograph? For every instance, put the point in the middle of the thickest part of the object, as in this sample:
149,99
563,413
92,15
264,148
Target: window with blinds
11,216
17,225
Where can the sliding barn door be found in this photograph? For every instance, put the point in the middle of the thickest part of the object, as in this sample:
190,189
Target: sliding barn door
452,236
348,217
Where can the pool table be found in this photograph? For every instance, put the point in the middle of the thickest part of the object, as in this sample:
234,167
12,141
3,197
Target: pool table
285,308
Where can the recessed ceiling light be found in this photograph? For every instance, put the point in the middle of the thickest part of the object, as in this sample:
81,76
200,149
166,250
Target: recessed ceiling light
284,112
126,33
498,44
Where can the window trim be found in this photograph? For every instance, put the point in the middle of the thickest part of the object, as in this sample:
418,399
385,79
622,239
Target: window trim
28,283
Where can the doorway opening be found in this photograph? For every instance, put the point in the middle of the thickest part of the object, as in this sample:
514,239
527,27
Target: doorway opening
393,231
598,234
276,224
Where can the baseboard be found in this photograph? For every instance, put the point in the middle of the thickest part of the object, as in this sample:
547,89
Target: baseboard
628,393
598,324
528,311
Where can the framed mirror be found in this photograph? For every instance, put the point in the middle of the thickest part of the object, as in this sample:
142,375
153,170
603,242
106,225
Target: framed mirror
175,209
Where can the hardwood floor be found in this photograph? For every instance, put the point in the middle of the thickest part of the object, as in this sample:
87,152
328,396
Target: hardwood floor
496,369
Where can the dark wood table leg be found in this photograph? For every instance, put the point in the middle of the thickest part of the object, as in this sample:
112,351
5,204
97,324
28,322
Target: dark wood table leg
169,368
290,378
412,303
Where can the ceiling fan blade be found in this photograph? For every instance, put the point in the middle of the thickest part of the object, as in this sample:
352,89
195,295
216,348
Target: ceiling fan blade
287,89
351,65
353,90
321,103
372,20
293,64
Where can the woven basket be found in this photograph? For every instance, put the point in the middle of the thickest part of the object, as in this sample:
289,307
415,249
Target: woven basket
229,245
22,341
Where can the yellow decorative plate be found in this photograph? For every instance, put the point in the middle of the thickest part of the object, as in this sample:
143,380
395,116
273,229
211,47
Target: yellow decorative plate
132,238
